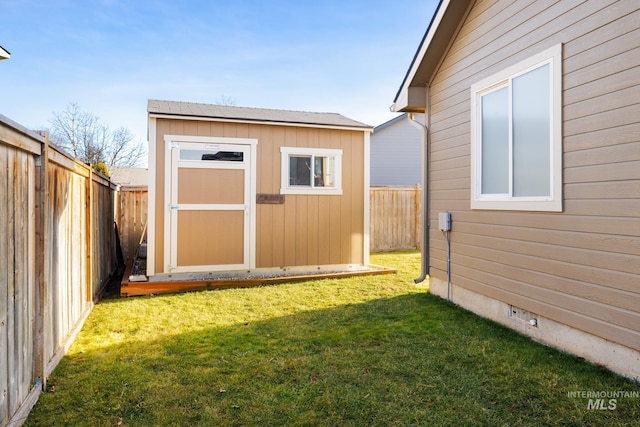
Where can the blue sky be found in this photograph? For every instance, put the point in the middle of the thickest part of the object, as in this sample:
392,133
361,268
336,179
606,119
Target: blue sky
110,56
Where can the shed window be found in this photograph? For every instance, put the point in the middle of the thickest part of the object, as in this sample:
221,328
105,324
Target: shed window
516,136
311,171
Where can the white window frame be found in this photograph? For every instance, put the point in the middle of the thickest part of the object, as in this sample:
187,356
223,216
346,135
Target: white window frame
287,152
553,202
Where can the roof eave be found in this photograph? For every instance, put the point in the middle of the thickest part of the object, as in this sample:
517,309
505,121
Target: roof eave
411,96
4,54
363,128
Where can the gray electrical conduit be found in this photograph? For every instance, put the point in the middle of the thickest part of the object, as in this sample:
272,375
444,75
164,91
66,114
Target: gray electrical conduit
425,197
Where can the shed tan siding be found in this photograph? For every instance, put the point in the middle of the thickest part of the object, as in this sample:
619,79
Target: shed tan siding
305,230
580,267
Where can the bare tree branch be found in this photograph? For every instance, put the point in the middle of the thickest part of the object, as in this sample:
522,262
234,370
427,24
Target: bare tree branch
83,136
226,100
122,151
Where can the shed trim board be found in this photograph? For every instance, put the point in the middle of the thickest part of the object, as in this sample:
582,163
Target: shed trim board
174,145
367,198
151,214
257,122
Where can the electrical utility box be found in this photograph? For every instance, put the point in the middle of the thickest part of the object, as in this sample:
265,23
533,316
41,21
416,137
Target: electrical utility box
444,221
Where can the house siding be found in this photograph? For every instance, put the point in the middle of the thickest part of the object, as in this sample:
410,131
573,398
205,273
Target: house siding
579,267
306,230
396,154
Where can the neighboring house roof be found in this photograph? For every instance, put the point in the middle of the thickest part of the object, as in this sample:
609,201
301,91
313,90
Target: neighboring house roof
129,176
390,122
417,117
434,44
245,114
4,54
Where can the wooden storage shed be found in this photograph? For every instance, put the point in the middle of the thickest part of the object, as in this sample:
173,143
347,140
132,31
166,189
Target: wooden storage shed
245,190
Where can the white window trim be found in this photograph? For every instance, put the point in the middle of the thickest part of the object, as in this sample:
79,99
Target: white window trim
552,203
285,188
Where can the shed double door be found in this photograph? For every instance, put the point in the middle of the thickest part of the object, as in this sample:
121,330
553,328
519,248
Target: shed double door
209,210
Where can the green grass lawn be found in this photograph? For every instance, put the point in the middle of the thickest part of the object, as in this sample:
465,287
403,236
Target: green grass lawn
375,350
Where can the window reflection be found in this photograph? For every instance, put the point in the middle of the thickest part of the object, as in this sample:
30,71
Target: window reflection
212,155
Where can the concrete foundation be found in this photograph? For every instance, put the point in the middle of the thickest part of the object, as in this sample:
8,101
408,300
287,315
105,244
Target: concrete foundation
619,359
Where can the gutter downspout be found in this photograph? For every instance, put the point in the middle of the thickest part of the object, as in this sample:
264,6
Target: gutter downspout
425,185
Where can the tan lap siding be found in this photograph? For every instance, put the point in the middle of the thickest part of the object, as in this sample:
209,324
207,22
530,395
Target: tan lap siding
582,266
310,229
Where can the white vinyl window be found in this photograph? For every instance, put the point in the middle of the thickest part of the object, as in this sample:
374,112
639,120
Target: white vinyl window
516,136
311,171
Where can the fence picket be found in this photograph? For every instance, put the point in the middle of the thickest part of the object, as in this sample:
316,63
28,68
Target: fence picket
57,249
394,218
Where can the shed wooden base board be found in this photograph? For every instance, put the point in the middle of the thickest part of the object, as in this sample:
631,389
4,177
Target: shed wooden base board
128,288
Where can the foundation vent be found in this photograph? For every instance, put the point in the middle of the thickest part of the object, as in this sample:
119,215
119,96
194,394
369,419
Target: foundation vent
517,313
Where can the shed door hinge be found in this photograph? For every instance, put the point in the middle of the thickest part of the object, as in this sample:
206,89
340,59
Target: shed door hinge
170,207
174,145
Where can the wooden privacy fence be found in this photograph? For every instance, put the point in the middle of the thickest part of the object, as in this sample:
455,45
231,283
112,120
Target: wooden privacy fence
394,218
57,252
131,216
395,214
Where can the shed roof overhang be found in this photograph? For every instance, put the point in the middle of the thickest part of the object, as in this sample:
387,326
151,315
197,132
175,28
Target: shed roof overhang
4,54
225,113
411,96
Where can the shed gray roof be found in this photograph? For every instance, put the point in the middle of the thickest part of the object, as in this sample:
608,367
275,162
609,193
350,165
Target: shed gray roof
245,114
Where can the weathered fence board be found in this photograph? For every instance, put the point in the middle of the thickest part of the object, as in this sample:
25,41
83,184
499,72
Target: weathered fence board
131,215
16,277
6,242
57,251
395,218
67,279
105,254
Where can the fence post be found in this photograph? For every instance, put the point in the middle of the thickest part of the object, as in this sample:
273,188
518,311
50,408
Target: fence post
41,262
89,233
